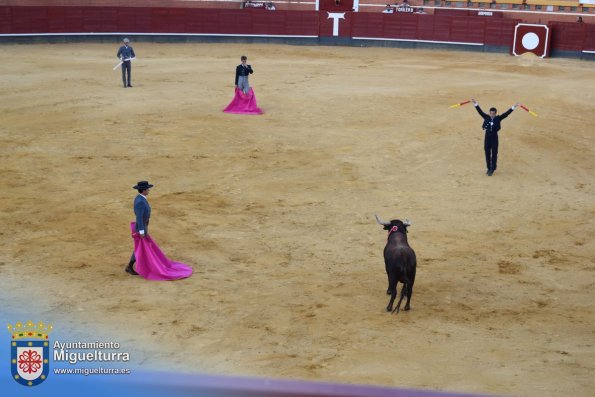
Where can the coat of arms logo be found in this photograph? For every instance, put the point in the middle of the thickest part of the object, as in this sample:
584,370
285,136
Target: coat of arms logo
29,352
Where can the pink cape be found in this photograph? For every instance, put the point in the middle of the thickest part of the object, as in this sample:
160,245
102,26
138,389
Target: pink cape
243,103
152,264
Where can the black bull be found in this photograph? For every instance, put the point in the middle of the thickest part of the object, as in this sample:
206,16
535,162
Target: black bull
400,262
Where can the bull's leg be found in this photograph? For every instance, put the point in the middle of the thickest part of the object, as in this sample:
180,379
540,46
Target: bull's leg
392,287
403,290
388,291
388,277
409,293
410,290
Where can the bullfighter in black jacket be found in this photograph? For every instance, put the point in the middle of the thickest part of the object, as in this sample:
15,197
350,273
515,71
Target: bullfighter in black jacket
491,125
242,72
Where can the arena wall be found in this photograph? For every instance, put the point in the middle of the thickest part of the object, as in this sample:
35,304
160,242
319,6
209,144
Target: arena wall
529,11
26,23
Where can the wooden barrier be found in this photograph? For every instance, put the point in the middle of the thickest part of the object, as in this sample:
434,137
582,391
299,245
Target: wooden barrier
435,28
446,29
570,36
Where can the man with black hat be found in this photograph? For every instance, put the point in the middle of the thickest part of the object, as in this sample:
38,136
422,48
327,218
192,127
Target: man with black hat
491,125
126,53
142,211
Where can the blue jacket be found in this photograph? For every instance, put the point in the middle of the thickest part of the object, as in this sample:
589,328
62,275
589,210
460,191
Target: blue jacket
125,52
142,210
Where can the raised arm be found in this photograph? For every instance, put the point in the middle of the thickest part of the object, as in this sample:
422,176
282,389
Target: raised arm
481,113
507,113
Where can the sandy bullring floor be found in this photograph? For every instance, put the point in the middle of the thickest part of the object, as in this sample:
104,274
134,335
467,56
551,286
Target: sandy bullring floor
275,212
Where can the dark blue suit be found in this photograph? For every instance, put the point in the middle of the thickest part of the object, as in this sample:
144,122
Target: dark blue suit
490,142
142,211
126,52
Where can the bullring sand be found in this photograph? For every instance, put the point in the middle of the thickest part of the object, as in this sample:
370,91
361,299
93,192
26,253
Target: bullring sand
275,212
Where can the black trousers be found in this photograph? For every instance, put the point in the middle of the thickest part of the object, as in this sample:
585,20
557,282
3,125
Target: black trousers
126,69
490,145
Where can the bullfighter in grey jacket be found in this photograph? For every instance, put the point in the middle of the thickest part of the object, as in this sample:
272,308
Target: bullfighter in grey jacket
125,54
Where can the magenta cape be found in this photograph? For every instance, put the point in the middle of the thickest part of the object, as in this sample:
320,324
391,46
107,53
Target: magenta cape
243,103
152,264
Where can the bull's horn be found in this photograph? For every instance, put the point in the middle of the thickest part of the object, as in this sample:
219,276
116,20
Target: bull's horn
380,222
407,222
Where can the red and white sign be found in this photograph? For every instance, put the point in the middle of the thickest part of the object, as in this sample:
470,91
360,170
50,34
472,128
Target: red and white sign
531,38
487,13
336,24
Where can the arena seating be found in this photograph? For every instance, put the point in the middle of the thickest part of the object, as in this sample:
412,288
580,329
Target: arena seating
535,11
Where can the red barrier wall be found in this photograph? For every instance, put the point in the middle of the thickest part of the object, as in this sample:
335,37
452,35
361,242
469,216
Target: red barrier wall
156,20
442,28
589,44
469,12
496,32
499,32
570,36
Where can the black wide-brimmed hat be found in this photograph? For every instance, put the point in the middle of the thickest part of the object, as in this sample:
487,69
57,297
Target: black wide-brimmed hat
143,185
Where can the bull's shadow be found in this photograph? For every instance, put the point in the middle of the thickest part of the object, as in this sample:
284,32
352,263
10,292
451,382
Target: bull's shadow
400,262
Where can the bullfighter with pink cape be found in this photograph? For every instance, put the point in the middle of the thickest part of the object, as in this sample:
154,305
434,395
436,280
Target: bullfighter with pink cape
151,263
244,100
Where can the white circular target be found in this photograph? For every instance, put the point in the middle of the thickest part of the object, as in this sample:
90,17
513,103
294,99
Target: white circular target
530,41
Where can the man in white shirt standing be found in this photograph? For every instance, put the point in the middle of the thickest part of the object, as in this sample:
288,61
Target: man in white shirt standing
142,211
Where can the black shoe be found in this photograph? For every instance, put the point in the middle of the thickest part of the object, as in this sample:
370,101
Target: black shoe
129,85
130,270
490,172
